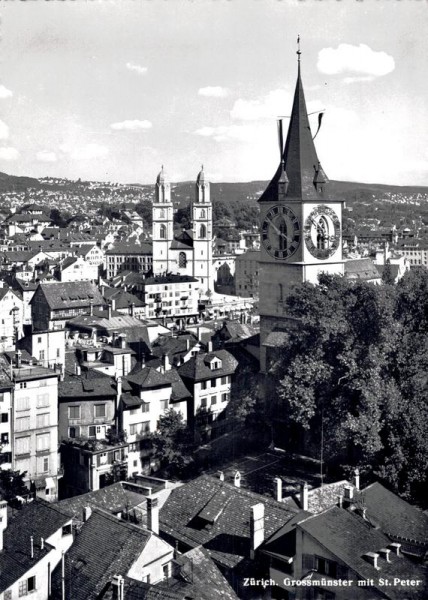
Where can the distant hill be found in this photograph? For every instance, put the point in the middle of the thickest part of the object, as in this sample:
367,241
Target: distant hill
15,183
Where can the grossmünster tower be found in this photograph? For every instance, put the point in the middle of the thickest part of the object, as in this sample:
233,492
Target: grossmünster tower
300,225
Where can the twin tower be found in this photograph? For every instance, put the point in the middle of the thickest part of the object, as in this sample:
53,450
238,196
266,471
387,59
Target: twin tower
191,252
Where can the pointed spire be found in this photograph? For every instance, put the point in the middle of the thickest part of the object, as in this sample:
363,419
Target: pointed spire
299,156
162,177
201,176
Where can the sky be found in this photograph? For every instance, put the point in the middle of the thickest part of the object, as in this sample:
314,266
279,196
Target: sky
111,90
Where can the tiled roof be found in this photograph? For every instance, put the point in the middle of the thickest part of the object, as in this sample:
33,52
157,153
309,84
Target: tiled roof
134,249
83,387
239,331
105,547
179,390
168,279
122,299
349,537
324,497
114,498
361,269
396,517
148,378
38,519
173,346
227,540
70,294
5,375
197,368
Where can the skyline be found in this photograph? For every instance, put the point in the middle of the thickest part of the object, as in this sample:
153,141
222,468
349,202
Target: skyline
112,90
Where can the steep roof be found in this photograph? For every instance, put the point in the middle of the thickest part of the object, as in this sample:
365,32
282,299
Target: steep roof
149,378
134,249
114,498
38,519
361,269
83,387
179,390
105,547
122,299
299,156
197,368
216,515
349,537
70,294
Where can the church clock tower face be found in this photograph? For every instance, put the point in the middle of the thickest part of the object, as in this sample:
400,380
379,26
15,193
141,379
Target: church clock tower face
322,232
281,232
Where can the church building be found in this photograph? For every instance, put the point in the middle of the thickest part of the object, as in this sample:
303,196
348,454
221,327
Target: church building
190,252
300,226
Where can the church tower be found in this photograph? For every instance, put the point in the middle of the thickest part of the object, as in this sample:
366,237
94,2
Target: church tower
162,229
203,234
300,225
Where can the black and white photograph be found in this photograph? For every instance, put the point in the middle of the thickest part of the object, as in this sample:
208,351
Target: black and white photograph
213,299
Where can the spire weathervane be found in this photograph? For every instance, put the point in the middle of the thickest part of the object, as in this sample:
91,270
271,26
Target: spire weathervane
298,48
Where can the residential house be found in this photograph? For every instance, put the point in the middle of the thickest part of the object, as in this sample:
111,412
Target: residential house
247,274
76,268
6,391
208,376
53,304
124,302
11,318
128,257
32,541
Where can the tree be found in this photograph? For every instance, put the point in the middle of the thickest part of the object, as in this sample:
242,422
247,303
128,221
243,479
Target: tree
173,443
12,484
355,369
387,276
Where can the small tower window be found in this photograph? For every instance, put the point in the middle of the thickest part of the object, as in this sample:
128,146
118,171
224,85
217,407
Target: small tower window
202,231
162,213
203,214
182,260
163,232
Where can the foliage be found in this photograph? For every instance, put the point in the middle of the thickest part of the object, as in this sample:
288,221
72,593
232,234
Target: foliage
173,443
356,366
12,484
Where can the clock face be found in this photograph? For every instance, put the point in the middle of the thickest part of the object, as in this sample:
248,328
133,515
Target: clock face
280,232
322,232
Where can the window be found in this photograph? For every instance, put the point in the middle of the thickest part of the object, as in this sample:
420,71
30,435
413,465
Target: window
26,586
165,571
41,355
4,438
39,340
42,464
223,380
5,417
7,595
182,260
225,397
73,432
204,402
100,410
164,404
23,384
42,399
22,445
1,397
42,442
325,566
74,412
66,530
213,400
91,431
145,407
213,382
22,423
162,232
58,353
202,231
23,403
43,420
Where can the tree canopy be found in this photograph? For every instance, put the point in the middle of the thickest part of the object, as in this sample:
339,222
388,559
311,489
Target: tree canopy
355,367
173,443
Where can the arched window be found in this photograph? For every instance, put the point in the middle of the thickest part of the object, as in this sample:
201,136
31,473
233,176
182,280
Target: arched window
203,215
163,232
322,234
282,235
162,213
182,260
202,231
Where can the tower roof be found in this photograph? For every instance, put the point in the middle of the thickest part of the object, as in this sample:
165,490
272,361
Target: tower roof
300,158
200,179
162,177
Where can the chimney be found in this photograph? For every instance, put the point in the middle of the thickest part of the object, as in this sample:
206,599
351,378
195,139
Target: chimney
384,553
115,336
257,527
395,548
357,478
165,363
18,358
119,386
221,475
78,370
133,309
278,488
187,344
371,557
237,479
304,496
340,500
109,311
113,303
153,515
87,511
91,308
3,521
31,546
349,492
118,587
123,340
210,346
42,544
199,334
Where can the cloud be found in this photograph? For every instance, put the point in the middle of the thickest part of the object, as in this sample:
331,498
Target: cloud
213,91
137,68
87,152
266,107
46,156
4,131
361,60
4,92
9,153
222,133
132,125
